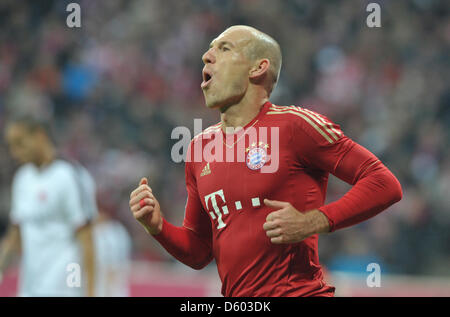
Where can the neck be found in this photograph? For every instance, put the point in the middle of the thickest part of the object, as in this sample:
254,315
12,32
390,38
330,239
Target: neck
47,156
241,113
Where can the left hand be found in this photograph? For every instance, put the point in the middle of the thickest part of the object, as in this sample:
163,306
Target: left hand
288,225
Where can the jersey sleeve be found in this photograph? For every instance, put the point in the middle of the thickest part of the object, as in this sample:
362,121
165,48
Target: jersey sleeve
191,243
16,203
87,192
74,198
319,143
195,217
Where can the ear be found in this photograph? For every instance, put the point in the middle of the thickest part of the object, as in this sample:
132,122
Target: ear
260,68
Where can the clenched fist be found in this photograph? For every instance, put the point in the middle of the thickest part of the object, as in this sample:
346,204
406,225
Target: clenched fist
145,208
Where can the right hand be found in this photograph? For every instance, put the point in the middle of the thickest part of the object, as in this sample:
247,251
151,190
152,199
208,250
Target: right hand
150,215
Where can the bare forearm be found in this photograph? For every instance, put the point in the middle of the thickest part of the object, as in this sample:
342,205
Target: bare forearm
87,247
318,222
89,264
9,246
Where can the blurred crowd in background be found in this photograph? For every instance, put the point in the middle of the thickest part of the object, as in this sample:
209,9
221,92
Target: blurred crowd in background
116,87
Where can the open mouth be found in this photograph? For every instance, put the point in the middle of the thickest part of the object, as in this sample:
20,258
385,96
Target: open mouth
207,77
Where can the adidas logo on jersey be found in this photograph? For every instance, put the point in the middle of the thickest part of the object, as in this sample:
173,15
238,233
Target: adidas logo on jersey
206,170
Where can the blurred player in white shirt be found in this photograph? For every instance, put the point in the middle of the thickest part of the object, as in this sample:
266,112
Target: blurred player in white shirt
113,250
52,208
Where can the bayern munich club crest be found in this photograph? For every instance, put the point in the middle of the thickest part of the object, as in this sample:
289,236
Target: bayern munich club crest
256,156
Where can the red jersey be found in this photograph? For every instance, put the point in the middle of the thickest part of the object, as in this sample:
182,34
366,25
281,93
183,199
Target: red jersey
289,159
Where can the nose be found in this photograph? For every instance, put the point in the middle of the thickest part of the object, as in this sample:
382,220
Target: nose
208,57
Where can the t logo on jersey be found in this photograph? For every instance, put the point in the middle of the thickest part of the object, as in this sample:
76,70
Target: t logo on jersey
212,196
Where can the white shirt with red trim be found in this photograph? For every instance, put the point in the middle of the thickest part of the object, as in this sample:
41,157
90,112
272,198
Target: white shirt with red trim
49,205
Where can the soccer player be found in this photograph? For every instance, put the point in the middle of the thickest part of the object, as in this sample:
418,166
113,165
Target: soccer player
262,227
53,204
113,253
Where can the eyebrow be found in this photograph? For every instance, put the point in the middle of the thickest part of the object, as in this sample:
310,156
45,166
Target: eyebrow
221,43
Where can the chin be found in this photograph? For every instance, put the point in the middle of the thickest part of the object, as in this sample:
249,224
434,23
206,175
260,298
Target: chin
212,104
22,160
